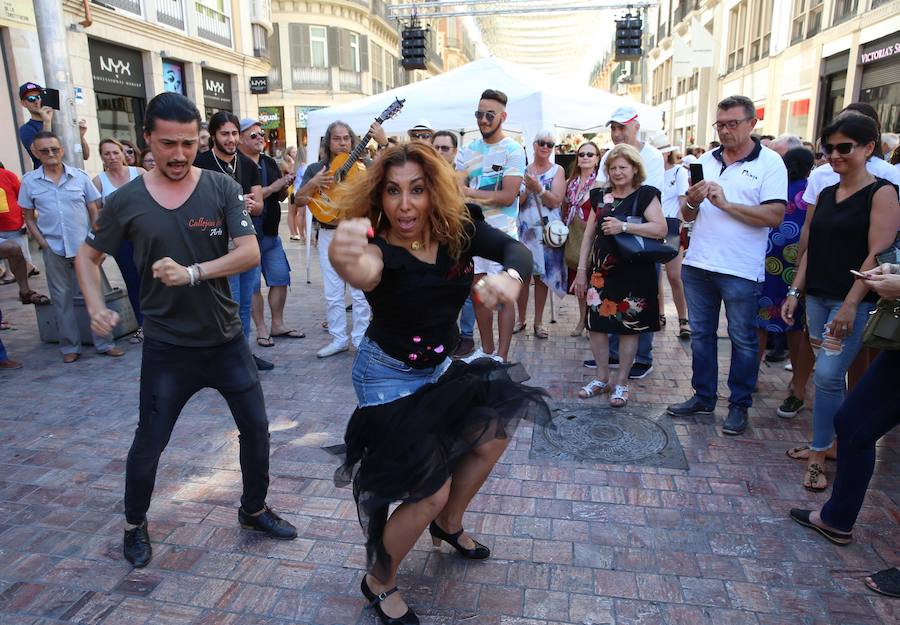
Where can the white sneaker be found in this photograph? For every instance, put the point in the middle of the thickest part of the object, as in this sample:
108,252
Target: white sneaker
479,353
331,349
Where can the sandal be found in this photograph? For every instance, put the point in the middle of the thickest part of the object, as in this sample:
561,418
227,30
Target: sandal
541,332
592,389
802,453
290,334
662,321
886,582
137,337
619,396
265,341
520,327
33,298
815,479
842,539
578,331
684,329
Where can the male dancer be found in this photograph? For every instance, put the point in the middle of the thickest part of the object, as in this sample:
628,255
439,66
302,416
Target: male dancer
224,157
180,219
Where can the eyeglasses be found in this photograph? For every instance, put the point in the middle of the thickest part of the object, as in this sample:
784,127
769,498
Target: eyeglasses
488,115
840,148
442,148
731,124
256,135
32,98
587,154
420,135
545,144
46,151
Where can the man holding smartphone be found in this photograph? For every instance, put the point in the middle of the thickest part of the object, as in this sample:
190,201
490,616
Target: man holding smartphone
31,95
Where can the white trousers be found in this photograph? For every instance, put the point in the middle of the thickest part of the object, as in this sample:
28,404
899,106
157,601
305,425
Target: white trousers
334,287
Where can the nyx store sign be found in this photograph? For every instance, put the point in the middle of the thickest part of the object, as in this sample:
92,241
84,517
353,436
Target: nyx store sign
116,70
216,90
259,84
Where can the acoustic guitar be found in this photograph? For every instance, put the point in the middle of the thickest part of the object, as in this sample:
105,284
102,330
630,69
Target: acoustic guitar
345,167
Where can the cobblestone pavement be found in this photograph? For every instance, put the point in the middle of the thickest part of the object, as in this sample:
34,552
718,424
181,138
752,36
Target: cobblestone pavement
572,542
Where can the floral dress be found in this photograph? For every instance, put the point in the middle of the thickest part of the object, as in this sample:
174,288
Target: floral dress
549,262
622,298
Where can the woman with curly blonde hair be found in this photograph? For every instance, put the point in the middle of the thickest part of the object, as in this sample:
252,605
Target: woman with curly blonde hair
426,433
621,297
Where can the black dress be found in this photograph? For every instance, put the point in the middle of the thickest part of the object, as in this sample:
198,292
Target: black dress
622,298
406,449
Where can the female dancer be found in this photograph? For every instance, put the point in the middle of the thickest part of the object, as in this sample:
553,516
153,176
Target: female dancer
426,433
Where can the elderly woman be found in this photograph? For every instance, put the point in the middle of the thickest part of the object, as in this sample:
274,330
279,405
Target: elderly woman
849,223
426,433
543,188
577,206
622,297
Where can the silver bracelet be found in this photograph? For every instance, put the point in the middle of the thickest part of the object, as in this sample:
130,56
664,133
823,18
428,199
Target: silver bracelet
792,292
190,273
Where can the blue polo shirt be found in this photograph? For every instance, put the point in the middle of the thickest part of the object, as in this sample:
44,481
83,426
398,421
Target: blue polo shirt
26,135
62,214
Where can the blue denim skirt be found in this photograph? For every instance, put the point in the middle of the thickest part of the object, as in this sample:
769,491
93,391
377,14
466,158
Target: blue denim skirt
379,378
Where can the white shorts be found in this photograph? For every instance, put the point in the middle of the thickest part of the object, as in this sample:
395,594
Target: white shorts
485,266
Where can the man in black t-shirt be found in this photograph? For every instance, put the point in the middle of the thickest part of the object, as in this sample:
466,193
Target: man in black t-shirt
224,157
180,220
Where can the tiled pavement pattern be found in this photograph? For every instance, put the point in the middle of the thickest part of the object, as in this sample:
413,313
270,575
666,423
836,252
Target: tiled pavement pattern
572,543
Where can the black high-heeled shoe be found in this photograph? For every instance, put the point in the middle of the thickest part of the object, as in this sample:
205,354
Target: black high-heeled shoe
480,552
409,618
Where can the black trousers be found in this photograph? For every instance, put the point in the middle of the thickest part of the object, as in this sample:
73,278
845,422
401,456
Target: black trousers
170,376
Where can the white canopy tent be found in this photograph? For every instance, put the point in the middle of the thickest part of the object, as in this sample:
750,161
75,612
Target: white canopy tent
448,101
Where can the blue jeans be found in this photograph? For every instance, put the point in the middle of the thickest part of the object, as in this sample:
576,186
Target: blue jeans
645,342
705,292
379,378
831,370
467,320
243,286
3,354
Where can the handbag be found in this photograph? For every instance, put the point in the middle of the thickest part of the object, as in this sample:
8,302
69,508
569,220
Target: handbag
633,248
573,242
882,330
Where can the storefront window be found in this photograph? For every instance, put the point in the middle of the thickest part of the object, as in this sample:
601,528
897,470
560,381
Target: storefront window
120,116
886,100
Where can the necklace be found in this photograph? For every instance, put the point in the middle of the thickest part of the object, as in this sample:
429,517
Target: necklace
230,166
414,246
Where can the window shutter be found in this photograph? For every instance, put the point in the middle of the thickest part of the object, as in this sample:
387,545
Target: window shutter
305,55
334,46
363,53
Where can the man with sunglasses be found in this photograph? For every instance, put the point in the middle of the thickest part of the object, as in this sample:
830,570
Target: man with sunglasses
61,204
30,94
742,195
492,169
422,131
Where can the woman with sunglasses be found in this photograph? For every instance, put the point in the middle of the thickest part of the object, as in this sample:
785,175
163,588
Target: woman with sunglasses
132,154
540,198
427,433
850,223
577,207
117,173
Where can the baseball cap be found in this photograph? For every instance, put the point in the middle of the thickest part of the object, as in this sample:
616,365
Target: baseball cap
248,123
623,115
29,87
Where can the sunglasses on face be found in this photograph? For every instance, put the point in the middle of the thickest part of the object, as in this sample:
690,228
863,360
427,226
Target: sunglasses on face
421,135
587,154
546,144
32,98
488,115
840,148
129,151
256,135
731,124
46,151
443,148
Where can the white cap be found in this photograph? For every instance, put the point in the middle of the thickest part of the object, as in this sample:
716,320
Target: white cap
422,124
623,115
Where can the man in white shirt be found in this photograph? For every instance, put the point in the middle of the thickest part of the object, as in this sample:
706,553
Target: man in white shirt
624,127
743,193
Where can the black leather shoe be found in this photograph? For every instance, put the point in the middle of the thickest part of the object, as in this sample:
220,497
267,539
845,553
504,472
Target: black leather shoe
690,408
480,552
409,618
136,547
736,421
267,522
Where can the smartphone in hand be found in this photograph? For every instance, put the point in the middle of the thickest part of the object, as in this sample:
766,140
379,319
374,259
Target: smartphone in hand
50,97
858,274
696,173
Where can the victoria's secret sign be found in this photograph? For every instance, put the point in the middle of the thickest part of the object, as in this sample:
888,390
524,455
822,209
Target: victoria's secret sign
879,51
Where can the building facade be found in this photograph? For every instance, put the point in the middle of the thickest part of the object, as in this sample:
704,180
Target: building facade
800,61
130,50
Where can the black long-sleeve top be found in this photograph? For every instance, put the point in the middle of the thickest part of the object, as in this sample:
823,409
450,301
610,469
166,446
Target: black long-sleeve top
416,304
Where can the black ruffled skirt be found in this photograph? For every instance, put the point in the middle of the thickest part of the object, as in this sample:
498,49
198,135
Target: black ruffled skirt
405,450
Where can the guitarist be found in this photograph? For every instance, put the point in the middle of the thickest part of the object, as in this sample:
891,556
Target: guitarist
339,139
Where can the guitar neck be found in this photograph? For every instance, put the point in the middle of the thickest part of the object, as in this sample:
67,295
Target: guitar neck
355,153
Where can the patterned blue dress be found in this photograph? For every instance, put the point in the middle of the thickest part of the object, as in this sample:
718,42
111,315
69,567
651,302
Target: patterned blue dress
549,262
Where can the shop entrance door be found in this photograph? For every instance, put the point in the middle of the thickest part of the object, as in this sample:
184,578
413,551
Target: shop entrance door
121,117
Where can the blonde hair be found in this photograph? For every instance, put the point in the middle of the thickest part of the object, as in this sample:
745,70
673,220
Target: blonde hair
116,143
449,217
630,154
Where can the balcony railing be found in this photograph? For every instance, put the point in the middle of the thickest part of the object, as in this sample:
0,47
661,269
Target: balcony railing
213,25
132,6
311,78
350,80
170,12
261,10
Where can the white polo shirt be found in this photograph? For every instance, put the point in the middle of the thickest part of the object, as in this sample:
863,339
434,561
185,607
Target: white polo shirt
722,243
676,184
653,165
824,176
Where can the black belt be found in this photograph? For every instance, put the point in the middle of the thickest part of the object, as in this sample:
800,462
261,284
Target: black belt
327,226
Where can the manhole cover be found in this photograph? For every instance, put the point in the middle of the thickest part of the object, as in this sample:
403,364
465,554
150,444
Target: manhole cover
599,433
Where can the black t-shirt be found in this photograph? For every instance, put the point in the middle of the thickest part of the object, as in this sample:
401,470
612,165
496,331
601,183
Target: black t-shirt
415,306
246,173
267,223
197,231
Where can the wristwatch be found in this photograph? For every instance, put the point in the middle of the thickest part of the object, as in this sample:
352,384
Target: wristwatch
792,292
514,275
624,227
688,206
